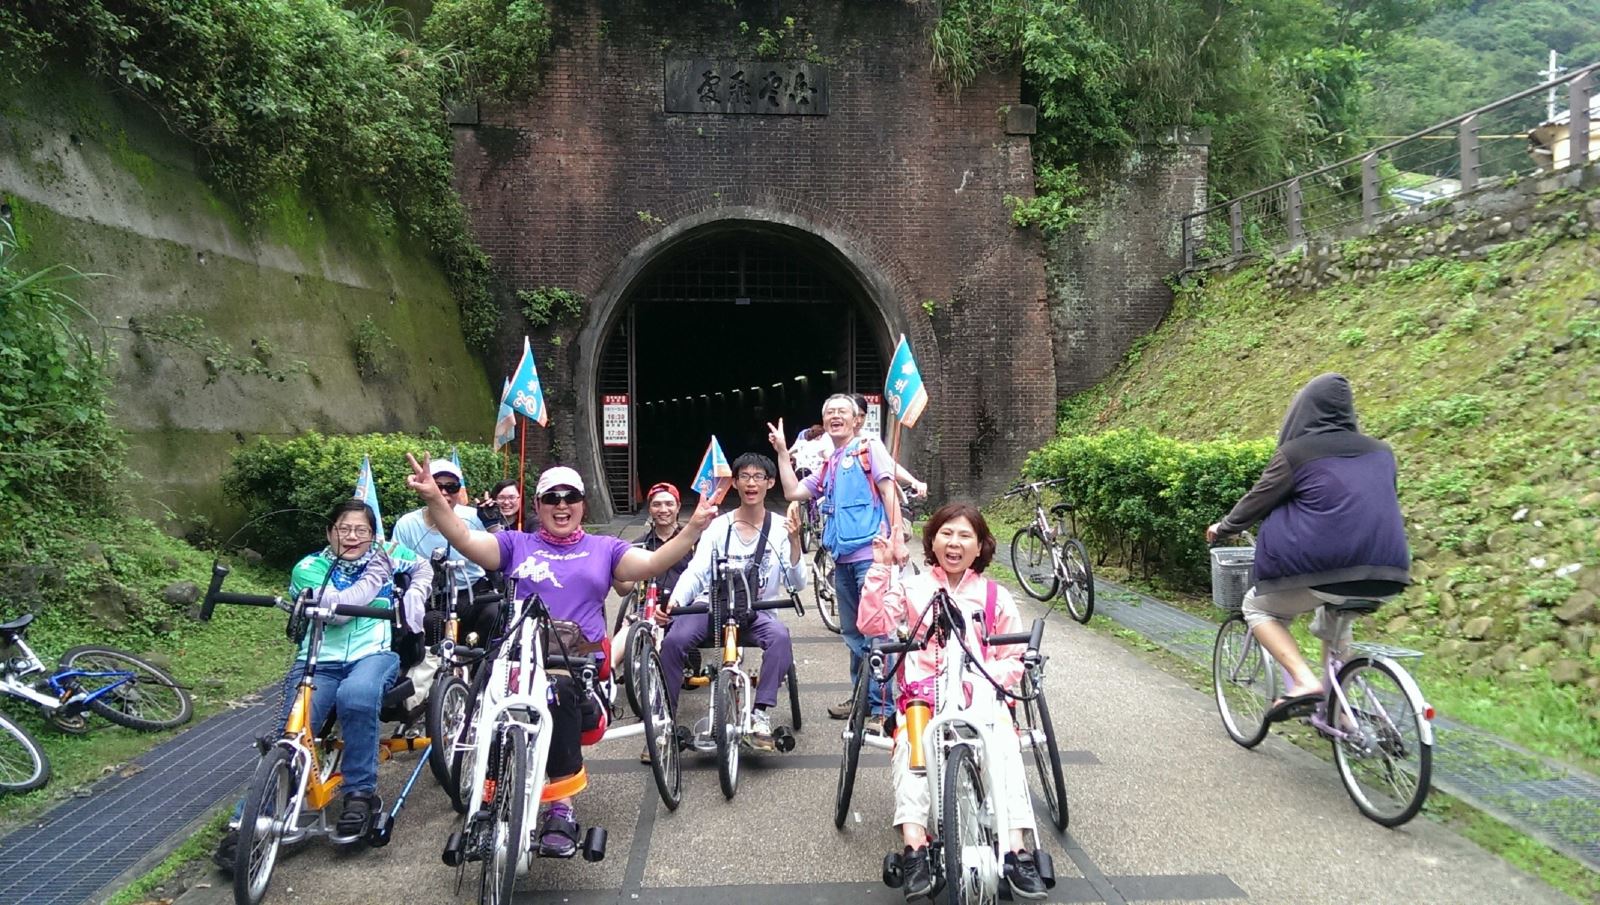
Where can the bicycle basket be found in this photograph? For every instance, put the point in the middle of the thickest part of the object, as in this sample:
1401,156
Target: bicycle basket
1230,575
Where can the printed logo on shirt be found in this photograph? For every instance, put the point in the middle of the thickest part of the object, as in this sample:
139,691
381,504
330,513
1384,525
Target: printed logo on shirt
536,570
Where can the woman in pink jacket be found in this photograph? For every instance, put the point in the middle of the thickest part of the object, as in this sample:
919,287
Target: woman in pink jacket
957,546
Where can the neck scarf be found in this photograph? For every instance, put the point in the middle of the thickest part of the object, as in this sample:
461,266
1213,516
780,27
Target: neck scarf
567,541
345,571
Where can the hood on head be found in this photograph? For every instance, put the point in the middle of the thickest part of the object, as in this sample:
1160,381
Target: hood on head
1323,405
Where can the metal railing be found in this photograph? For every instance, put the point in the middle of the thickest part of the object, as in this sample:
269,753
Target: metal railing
1351,197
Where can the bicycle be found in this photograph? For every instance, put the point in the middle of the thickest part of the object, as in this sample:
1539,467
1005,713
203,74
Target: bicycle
91,678
1049,556
450,693
298,776
647,697
967,844
1374,714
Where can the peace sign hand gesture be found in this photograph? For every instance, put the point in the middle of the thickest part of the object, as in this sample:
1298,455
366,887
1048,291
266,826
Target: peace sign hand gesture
777,438
421,478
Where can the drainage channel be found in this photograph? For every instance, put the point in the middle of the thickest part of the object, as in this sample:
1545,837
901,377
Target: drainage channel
1553,802
78,848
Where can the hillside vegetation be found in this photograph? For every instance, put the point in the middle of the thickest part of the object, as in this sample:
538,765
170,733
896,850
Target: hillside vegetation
1485,377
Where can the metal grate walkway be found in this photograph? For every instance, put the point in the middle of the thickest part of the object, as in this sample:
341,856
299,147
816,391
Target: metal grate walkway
79,847
1553,802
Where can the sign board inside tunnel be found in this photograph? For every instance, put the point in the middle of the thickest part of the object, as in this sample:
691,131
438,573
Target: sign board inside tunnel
614,420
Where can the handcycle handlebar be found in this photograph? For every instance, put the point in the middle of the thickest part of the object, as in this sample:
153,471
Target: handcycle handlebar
896,647
1033,637
572,664
776,603
215,595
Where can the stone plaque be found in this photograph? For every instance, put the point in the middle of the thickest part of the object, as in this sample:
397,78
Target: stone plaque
746,86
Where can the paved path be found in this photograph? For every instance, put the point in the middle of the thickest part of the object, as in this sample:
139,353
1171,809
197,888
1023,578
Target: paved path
1165,809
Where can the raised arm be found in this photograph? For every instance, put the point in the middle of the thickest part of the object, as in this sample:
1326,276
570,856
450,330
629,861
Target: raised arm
478,546
883,604
637,565
792,488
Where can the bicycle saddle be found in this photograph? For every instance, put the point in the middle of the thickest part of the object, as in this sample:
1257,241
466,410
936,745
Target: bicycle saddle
17,624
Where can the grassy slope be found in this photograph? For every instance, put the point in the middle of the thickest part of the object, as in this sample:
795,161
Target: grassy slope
1485,377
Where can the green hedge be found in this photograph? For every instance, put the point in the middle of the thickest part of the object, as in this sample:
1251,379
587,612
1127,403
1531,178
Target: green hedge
1147,499
312,472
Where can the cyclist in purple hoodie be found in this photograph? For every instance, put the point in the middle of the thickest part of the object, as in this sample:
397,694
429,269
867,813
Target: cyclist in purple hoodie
1331,529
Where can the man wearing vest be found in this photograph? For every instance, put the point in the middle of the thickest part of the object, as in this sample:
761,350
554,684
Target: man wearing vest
857,495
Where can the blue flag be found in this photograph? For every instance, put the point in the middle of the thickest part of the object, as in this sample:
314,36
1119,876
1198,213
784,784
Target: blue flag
903,388
455,459
527,394
714,477
367,492
505,420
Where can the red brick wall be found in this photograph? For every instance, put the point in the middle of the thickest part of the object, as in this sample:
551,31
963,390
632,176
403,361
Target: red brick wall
903,171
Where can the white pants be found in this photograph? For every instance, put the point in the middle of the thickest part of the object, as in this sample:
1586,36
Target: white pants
913,802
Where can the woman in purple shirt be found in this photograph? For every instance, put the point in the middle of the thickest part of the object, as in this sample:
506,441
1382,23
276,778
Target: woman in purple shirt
571,571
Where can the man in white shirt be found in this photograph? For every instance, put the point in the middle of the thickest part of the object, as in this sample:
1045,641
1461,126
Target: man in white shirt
417,531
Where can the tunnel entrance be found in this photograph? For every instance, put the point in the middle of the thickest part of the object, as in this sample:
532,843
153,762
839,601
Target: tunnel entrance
721,333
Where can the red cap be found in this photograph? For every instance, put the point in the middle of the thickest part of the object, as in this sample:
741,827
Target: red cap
663,487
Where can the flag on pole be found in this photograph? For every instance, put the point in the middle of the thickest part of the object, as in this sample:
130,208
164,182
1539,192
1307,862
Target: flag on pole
527,394
455,459
505,421
367,492
714,477
903,388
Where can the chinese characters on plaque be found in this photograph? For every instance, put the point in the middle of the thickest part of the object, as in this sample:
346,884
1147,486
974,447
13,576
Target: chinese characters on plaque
746,86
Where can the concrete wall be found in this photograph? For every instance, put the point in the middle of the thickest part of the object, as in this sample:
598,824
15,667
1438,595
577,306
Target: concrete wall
902,179
1108,275
94,181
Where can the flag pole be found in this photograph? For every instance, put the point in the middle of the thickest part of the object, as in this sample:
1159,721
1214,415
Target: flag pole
522,459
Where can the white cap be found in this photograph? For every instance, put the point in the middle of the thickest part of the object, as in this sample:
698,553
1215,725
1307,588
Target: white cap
445,466
559,476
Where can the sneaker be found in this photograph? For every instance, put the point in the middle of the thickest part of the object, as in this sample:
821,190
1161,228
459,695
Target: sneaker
356,816
558,832
1022,872
761,731
876,724
841,711
917,874
227,851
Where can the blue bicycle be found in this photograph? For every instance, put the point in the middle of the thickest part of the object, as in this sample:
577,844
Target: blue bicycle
125,689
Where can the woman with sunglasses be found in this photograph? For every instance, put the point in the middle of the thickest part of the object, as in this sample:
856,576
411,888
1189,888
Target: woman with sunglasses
571,571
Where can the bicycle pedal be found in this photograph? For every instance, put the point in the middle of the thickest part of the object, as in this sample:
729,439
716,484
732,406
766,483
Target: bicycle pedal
594,844
1047,867
454,850
382,830
893,874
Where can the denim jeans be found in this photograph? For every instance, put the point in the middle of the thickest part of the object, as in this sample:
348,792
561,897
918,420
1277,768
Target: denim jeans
356,690
848,577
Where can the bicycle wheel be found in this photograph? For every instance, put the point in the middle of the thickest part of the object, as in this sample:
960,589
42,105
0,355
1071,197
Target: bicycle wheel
727,712
852,748
1244,680
793,681
971,864
628,607
23,766
447,712
640,645
1046,756
141,696
268,814
822,581
660,729
1386,762
1030,559
510,833
1078,586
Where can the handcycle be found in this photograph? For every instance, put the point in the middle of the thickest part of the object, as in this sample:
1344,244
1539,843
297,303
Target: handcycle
1373,712
121,687
1047,555
967,844
500,757
298,776
450,693
730,607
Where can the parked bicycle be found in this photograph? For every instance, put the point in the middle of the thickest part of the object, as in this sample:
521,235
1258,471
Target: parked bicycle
1373,712
1048,556
126,689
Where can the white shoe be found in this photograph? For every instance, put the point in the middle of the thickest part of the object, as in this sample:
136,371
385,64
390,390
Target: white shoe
761,731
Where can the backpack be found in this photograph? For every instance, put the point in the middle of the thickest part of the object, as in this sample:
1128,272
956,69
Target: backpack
851,502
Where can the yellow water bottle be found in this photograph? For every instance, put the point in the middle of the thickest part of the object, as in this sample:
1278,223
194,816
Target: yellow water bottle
916,721
730,643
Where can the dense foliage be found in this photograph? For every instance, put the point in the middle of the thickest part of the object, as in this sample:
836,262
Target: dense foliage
501,41
1147,498
282,94
311,472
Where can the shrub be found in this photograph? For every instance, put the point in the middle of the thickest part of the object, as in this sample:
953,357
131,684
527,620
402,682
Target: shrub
546,305
312,472
1149,498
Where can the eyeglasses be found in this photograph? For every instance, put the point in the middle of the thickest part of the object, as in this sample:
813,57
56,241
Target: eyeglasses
507,500
752,477
557,497
357,532
448,487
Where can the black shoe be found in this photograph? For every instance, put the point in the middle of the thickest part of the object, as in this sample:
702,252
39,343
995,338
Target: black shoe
918,874
227,851
1023,875
356,817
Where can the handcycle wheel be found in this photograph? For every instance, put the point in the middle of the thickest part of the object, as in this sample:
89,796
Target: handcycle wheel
447,711
23,766
1030,559
852,746
1244,680
149,700
266,817
660,729
793,680
822,581
1387,764
971,862
510,818
1078,587
727,712
1046,758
